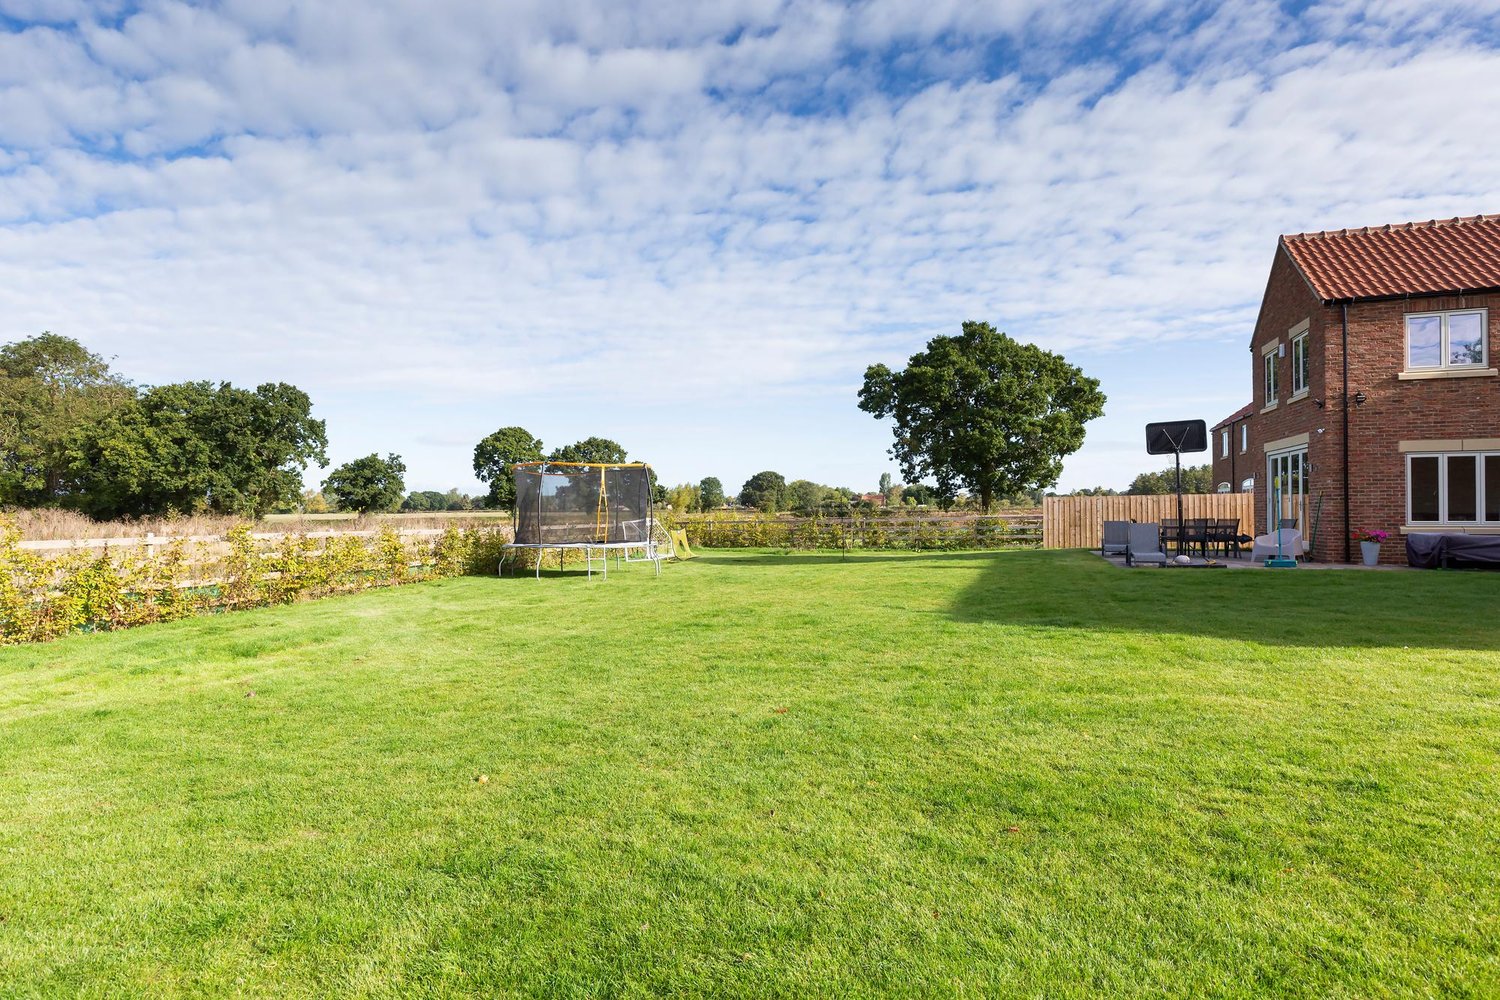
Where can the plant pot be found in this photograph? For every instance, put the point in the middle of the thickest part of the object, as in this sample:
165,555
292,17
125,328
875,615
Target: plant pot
1371,552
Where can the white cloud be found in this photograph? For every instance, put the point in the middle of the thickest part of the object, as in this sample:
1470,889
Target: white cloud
433,215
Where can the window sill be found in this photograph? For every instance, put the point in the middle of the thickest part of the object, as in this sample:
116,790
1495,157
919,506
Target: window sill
1426,373
1269,407
1461,528
1299,395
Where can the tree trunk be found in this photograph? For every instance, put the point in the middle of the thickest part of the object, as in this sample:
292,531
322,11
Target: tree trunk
986,494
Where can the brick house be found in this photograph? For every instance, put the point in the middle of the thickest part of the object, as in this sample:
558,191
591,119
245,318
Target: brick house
1376,397
1229,443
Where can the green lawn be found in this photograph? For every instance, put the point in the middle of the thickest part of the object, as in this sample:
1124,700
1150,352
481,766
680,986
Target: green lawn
1013,774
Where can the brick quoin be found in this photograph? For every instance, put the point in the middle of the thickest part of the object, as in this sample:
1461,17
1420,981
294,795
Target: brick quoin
1393,410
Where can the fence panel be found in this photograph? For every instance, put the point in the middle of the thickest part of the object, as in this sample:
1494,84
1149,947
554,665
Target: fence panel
1078,522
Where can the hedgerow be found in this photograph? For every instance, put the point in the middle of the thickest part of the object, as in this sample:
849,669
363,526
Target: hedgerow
44,597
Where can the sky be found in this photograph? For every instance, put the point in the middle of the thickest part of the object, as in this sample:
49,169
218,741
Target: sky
690,226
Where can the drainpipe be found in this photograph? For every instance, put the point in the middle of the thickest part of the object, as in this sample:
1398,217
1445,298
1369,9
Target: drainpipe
1348,527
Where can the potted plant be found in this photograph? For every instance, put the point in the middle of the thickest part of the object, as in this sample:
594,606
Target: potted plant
1369,544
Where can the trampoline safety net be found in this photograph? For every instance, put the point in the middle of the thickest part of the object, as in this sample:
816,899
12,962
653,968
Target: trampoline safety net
565,504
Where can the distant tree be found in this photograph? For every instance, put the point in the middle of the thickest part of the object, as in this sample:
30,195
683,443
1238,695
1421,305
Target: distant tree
806,497
423,501
51,388
920,494
367,484
1195,479
685,498
456,500
885,484
765,491
197,447
710,493
983,410
594,449
1094,491
313,502
494,458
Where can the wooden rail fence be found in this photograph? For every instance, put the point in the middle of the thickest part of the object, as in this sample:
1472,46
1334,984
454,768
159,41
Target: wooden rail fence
1078,522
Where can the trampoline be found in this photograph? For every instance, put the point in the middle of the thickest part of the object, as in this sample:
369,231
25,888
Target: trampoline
598,509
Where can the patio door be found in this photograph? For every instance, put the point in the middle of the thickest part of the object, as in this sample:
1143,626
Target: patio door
1289,470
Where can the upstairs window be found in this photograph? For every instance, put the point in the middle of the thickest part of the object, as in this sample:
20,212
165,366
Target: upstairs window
1244,438
1272,387
1301,364
1224,443
1457,339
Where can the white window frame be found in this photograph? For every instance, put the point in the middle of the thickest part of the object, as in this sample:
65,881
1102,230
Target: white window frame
1300,343
1443,354
1271,378
1244,438
1480,465
1224,442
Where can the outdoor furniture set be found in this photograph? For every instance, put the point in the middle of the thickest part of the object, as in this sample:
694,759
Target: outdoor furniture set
1146,542
1149,542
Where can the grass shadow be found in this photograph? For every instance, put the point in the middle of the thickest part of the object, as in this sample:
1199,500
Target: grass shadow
832,557
1327,608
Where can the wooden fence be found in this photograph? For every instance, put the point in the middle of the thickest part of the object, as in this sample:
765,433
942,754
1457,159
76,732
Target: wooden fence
1078,522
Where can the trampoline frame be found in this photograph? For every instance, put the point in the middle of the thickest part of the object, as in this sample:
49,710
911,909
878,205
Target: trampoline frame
647,545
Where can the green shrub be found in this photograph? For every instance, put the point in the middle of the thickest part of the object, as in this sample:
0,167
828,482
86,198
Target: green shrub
43,597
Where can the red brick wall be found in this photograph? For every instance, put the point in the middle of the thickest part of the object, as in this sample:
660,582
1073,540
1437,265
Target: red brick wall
1288,302
1396,410
1393,411
1238,465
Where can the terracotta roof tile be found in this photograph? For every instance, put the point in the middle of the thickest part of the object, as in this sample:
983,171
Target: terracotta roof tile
1415,258
1239,414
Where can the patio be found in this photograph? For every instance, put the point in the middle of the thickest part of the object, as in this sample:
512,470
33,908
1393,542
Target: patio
1245,562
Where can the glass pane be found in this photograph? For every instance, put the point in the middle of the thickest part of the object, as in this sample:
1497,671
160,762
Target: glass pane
1465,339
1462,500
1423,488
1424,337
1492,487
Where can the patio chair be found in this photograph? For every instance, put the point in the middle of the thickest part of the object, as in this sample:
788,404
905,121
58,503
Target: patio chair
1265,545
1145,545
1116,538
1171,533
1226,534
1195,533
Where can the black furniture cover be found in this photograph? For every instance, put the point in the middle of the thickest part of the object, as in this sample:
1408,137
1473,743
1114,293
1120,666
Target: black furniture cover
1429,551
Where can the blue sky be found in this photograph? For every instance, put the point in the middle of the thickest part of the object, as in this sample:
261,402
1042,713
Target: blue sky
690,226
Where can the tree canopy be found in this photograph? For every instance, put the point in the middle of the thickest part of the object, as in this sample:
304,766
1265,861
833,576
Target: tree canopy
51,387
765,491
594,449
1195,479
368,484
805,497
710,493
983,411
196,446
494,458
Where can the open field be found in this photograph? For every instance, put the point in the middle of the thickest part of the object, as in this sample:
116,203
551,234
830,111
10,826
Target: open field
1014,774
